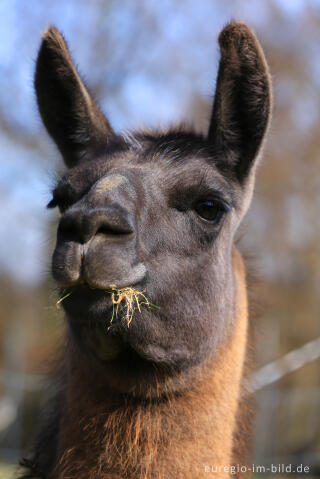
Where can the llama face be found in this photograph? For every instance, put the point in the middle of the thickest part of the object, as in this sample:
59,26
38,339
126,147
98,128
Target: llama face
163,224
153,211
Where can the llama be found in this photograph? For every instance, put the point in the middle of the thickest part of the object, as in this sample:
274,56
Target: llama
155,211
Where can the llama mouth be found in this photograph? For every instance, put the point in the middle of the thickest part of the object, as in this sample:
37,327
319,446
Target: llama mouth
87,305
86,282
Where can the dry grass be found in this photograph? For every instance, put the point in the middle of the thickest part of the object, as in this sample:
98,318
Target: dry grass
125,302
64,296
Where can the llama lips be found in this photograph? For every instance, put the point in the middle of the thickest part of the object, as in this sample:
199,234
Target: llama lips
135,275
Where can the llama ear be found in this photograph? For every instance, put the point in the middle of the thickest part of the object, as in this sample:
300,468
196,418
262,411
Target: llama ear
242,104
68,111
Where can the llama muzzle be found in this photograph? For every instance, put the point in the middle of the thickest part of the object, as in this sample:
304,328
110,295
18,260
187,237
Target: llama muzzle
97,238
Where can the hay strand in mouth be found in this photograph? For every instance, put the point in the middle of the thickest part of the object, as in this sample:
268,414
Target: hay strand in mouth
125,302
128,300
65,296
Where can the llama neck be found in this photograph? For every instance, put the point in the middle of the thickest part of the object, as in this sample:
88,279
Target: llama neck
176,437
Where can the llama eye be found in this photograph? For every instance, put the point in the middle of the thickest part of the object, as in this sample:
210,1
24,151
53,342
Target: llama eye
210,210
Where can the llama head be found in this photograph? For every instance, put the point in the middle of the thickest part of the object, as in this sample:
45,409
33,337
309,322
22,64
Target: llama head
154,211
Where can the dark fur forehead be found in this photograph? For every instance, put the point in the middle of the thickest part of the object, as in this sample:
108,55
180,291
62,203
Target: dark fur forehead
172,145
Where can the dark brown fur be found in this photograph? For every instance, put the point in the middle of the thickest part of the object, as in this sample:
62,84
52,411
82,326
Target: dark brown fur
158,211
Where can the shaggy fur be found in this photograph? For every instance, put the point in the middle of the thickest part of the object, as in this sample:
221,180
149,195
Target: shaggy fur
157,211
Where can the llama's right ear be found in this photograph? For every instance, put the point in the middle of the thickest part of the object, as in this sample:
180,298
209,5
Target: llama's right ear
242,103
68,111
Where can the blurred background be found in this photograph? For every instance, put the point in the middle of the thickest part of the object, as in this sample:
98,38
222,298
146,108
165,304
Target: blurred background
154,63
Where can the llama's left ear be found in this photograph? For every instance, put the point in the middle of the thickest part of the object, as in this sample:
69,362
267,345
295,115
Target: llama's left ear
242,104
68,111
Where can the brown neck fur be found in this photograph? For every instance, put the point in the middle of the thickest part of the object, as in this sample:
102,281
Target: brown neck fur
176,437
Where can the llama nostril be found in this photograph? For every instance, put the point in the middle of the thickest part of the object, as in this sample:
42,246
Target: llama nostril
68,229
105,230
75,227
81,228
